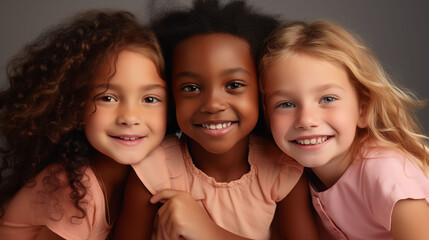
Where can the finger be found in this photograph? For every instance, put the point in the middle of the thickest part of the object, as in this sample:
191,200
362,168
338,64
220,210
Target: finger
162,211
168,225
164,195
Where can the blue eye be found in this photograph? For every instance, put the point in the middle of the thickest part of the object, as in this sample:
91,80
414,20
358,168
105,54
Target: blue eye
328,99
190,88
151,100
285,105
234,85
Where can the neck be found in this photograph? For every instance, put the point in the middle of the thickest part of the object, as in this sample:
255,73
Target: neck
331,172
112,172
224,167
113,175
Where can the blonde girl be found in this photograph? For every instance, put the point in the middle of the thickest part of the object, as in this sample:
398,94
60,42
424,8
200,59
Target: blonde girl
331,106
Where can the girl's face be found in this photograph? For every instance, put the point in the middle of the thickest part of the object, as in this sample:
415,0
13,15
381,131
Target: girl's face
128,118
313,111
215,90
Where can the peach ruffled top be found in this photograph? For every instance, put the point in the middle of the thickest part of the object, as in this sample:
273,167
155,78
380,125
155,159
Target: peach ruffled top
245,206
32,207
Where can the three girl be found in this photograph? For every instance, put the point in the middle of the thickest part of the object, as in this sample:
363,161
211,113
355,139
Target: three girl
84,100
231,183
332,108
88,97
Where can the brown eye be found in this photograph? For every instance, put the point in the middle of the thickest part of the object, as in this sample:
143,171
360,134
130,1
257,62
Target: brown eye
234,85
151,100
190,88
107,99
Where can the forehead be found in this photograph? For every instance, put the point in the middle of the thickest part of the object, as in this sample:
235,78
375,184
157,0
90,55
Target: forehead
128,66
218,49
304,69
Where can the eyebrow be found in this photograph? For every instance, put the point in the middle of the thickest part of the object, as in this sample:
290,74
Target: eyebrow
235,70
145,88
187,74
196,76
316,89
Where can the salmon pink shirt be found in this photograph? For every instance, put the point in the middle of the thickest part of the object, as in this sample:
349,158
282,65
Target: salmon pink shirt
32,208
360,204
245,206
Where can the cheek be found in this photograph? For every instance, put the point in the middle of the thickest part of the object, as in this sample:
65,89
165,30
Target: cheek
250,103
250,108
159,121
92,126
183,114
279,125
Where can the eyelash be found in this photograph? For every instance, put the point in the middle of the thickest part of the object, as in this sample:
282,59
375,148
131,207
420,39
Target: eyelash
190,88
194,87
327,99
234,85
107,99
150,100
331,99
282,105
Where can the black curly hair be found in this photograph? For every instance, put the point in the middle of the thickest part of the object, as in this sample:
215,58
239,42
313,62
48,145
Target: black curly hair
41,113
206,17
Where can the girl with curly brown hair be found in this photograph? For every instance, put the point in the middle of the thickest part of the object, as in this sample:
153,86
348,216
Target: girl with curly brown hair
85,100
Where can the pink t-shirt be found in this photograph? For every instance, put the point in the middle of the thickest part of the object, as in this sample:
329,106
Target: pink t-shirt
30,209
360,204
245,206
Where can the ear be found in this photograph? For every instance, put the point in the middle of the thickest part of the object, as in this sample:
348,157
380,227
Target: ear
363,116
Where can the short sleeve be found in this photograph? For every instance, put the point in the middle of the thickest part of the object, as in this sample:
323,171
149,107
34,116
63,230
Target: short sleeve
277,172
389,178
33,207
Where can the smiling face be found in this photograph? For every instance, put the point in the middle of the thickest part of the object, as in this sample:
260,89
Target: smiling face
128,118
313,111
215,90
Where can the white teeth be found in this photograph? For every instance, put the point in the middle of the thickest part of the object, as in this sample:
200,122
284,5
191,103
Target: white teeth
312,141
129,139
216,126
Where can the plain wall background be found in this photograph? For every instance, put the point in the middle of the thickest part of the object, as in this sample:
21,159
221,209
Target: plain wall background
397,31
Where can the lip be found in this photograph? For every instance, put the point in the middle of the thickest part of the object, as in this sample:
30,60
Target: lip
217,128
128,139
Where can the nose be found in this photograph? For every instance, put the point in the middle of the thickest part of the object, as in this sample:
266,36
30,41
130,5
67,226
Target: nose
128,114
214,101
307,117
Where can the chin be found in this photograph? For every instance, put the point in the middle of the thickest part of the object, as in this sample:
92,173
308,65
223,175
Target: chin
218,150
128,160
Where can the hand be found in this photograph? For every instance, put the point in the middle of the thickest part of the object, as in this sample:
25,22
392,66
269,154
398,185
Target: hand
181,216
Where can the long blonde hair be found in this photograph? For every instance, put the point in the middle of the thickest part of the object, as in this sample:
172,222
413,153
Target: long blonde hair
389,110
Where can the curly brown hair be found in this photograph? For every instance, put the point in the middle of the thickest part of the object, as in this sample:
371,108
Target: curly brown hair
41,113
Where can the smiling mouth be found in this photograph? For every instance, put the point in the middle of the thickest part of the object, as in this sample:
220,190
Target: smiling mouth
216,126
128,138
312,141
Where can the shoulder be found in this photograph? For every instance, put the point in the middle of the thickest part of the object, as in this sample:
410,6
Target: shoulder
171,143
175,154
387,176
265,154
163,163
47,202
381,165
276,172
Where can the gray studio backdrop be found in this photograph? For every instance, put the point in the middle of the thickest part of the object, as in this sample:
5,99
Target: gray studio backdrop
396,30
